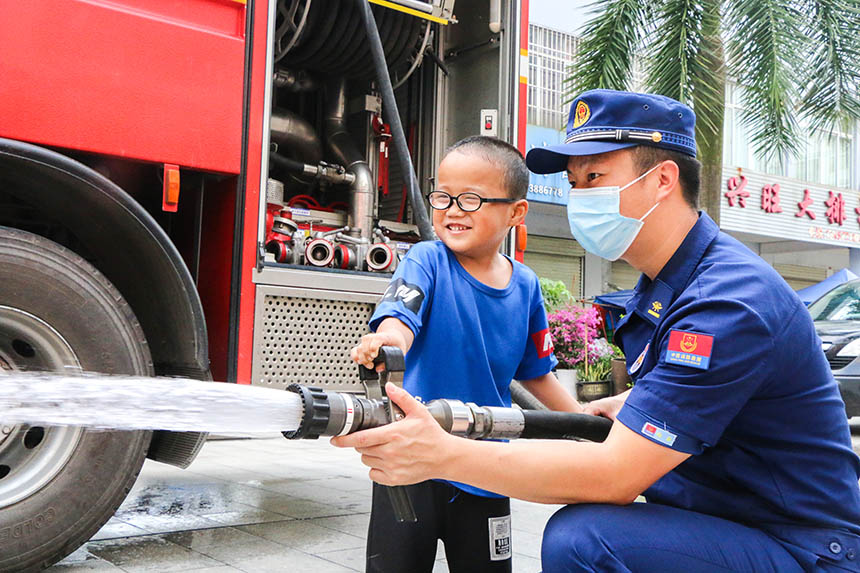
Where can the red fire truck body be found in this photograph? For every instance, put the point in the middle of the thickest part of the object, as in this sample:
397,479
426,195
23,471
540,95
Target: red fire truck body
208,188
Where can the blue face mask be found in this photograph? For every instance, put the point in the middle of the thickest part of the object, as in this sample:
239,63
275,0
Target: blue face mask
597,223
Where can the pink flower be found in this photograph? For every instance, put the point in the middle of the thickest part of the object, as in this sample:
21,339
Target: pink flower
571,328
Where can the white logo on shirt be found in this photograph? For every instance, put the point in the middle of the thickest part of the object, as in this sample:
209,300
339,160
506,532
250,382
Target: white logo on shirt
547,342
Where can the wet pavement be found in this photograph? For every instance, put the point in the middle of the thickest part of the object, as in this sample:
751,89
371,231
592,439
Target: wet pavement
263,505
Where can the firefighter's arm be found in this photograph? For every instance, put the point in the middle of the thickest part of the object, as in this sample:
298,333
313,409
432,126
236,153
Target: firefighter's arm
416,449
391,332
551,393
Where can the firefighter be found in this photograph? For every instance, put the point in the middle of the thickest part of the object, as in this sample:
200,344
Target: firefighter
734,430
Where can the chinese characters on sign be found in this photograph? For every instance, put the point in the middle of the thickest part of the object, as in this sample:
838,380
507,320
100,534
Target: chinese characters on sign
835,209
736,191
770,198
784,208
804,206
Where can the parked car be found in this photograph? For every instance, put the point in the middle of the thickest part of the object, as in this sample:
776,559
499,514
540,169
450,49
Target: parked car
837,320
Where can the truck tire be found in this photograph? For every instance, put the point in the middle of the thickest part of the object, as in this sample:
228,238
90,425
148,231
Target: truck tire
59,485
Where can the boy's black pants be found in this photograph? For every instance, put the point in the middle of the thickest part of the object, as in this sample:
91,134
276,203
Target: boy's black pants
469,526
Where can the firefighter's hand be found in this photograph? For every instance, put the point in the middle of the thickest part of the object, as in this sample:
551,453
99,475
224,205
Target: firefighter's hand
404,452
606,407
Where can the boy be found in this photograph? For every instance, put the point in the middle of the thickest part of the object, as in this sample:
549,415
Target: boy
469,320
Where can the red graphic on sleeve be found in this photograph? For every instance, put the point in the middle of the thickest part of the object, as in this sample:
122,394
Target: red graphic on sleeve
543,343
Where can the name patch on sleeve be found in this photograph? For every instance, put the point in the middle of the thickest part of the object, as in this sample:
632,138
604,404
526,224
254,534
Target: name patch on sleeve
689,349
662,436
401,291
543,343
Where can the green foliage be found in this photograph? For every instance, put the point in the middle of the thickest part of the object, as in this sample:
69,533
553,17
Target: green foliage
792,60
601,368
555,294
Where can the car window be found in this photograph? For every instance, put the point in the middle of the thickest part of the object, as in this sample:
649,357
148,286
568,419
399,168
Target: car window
842,303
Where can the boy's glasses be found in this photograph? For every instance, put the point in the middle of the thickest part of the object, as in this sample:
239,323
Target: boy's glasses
468,202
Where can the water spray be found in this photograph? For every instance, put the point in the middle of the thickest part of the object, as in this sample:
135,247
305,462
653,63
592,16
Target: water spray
33,400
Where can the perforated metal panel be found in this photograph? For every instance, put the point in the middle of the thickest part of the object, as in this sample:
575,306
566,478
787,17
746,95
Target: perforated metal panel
306,339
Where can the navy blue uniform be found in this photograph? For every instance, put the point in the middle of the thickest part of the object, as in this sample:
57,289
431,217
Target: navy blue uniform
727,367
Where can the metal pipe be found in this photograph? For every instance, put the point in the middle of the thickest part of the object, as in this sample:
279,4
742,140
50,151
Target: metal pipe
392,116
299,81
297,135
495,16
331,173
343,147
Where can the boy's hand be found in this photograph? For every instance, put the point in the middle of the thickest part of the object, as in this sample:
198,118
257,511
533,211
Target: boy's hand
368,348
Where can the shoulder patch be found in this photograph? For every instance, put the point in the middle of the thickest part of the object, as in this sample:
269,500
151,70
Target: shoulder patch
543,343
689,349
401,291
659,434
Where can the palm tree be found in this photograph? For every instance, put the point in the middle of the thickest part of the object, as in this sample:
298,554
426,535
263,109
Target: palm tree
797,61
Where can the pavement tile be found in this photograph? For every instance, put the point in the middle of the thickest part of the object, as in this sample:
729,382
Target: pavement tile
229,545
166,523
291,561
353,524
204,539
523,564
83,560
353,559
116,528
526,544
245,515
305,536
149,553
306,509
220,569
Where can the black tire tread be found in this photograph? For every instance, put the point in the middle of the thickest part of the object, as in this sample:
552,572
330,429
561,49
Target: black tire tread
67,266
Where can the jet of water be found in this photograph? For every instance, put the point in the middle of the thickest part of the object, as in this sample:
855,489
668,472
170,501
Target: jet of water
138,403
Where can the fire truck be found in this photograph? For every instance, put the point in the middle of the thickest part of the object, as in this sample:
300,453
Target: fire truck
218,190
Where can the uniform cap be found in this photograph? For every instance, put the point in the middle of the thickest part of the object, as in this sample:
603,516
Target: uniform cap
606,120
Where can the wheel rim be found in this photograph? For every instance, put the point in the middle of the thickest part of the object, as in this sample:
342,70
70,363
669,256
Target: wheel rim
30,456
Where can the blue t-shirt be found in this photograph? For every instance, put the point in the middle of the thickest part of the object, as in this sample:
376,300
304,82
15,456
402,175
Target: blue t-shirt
728,368
471,339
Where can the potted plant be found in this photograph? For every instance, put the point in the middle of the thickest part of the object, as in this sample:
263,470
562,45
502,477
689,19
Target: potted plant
584,355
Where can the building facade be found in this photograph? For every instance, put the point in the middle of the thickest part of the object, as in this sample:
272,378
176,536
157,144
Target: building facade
801,214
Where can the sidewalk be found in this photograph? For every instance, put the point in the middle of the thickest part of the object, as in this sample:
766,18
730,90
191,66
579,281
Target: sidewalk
262,505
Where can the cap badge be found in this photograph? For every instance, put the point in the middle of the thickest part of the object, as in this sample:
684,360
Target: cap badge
581,115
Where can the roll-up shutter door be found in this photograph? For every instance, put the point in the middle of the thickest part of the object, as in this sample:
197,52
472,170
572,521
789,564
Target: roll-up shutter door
556,259
799,276
622,276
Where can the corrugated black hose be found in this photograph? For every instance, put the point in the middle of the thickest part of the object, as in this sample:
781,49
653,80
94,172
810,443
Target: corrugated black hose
392,116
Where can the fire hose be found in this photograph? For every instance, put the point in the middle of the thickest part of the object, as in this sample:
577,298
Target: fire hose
337,413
